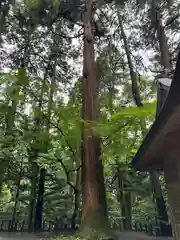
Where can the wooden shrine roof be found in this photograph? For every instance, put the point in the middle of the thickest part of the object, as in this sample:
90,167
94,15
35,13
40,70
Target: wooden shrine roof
163,139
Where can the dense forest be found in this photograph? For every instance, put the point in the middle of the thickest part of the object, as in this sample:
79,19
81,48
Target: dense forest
78,94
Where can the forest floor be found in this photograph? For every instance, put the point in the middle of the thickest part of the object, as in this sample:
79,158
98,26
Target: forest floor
122,236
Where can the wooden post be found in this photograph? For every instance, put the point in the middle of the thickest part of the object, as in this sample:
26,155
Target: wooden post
172,177
145,228
150,230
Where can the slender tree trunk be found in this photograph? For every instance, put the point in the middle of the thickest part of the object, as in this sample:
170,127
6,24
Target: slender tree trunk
76,199
32,157
135,88
17,196
160,203
161,207
32,196
33,154
121,197
165,57
166,230
159,199
4,10
32,201
163,45
125,202
94,208
128,200
40,201
41,184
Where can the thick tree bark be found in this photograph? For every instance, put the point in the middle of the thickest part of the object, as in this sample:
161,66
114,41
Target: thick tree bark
94,208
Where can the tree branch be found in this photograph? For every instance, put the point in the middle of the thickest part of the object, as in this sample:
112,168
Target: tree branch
109,138
67,174
54,125
171,20
67,37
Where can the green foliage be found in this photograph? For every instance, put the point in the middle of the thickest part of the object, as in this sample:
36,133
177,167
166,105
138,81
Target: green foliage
144,210
146,110
5,198
68,238
35,4
120,134
39,130
32,4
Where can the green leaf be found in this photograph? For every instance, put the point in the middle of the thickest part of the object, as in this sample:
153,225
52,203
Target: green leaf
22,77
37,112
56,3
32,4
147,108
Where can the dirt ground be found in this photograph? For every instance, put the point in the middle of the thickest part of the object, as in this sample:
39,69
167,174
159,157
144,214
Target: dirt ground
122,236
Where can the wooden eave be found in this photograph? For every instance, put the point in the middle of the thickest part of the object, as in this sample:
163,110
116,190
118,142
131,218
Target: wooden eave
163,139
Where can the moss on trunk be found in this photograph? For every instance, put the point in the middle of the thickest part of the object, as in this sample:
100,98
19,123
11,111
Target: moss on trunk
95,226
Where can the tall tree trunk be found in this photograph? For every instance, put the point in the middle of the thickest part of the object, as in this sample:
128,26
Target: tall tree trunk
121,197
166,230
4,10
135,88
159,199
17,195
161,207
125,201
33,154
162,39
41,184
77,194
94,208
160,203
40,201
165,57
32,201
128,200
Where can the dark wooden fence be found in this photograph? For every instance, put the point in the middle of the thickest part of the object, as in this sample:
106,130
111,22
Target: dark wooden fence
151,229
22,226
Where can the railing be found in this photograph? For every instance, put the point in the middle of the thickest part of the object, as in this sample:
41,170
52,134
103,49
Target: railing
22,226
152,229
